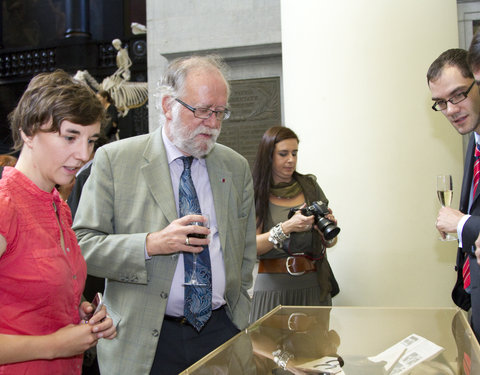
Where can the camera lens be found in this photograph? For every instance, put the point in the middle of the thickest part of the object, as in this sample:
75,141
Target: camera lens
329,230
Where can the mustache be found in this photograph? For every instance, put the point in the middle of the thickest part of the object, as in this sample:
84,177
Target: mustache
206,130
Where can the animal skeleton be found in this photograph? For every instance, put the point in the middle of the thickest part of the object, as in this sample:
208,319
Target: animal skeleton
126,94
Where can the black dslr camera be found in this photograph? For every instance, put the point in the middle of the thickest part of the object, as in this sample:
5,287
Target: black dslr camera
319,210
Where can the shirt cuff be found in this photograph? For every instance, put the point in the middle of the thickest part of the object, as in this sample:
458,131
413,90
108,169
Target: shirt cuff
460,225
147,257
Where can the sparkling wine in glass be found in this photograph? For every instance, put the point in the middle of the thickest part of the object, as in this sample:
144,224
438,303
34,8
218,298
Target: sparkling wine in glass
445,195
194,279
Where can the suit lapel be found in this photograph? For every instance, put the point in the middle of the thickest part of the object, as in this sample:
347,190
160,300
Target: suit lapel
221,184
467,176
156,173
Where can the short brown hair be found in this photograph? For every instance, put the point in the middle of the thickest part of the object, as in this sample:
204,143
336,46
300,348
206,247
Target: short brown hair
106,95
7,160
456,57
54,97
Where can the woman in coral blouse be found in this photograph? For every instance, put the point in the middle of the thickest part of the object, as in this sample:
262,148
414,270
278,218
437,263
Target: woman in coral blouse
44,327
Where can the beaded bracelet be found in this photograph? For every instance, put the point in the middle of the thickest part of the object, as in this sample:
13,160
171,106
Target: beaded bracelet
277,235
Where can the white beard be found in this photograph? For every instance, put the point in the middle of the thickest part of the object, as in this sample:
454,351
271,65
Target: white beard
185,141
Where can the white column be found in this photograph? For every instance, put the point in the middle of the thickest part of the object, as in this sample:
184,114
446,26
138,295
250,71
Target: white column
156,62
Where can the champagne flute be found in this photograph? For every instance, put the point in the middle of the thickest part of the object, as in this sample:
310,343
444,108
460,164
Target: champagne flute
445,195
194,279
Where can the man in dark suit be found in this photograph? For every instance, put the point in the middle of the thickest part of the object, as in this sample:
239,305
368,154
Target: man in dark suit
456,95
132,232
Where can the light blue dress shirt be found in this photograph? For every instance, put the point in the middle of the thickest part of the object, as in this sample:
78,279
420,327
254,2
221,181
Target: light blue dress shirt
205,197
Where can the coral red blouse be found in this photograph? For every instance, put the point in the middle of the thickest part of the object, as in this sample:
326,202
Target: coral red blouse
40,283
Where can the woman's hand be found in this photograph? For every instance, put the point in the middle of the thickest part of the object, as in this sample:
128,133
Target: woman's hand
68,341
101,324
331,217
72,340
85,309
298,222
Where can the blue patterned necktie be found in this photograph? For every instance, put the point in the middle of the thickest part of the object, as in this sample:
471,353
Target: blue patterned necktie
198,299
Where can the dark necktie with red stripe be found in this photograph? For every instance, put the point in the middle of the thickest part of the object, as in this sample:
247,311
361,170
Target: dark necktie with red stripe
476,170
476,179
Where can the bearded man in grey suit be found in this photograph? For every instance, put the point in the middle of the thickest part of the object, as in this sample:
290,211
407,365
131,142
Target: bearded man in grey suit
131,233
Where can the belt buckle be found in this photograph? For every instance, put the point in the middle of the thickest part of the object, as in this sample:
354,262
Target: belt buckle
288,268
292,321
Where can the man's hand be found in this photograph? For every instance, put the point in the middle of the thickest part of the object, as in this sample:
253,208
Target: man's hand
477,249
173,238
447,220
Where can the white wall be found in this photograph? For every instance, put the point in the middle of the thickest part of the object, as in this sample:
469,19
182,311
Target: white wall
355,92
189,25
246,33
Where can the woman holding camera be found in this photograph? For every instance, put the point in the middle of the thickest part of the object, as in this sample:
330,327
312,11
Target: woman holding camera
293,267
44,326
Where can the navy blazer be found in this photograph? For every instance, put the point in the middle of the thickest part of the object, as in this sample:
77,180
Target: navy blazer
470,231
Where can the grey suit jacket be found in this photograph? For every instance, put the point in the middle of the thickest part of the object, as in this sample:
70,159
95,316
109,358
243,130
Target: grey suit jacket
129,194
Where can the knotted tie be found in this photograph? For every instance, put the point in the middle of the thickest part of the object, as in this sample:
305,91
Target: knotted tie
476,170
198,299
476,179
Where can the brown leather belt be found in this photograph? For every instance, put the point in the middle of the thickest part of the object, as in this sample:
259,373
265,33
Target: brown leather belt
295,266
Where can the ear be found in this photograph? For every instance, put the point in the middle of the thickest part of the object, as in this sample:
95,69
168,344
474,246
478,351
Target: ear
167,107
27,139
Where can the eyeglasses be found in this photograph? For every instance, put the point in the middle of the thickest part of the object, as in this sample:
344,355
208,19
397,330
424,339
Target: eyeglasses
441,105
205,113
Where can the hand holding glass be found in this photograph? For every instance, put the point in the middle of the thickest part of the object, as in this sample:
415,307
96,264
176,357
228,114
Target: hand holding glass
206,223
445,195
